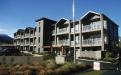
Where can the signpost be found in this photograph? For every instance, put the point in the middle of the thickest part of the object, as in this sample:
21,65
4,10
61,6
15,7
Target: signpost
96,65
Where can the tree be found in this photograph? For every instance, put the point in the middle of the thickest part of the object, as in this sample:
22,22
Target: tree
120,45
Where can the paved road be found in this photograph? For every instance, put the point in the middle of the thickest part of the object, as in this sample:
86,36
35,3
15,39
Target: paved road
112,72
107,66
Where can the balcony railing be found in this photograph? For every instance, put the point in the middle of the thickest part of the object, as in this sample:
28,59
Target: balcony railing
27,43
15,43
53,32
18,36
53,42
92,41
72,43
72,30
31,35
62,30
15,36
31,43
18,43
27,35
91,26
63,42
22,36
22,43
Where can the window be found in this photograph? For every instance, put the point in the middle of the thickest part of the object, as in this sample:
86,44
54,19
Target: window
39,40
39,29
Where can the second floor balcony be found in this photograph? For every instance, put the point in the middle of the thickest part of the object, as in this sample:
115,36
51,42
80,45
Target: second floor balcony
31,35
92,41
52,42
53,32
76,30
76,43
31,43
62,30
93,26
18,36
27,35
63,42
27,43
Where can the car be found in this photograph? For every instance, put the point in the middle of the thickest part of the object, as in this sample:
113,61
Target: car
10,52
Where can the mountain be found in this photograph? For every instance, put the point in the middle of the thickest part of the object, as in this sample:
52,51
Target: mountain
6,39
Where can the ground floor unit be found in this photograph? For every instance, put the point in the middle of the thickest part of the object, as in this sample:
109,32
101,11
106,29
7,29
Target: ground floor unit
66,50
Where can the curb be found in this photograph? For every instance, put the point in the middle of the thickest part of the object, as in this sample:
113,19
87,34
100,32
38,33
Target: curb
94,60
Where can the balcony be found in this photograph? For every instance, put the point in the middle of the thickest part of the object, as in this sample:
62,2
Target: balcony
15,37
63,42
18,36
27,35
26,43
53,43
22,43
18,43
63,31
31,43
76,30
92,41
91,27
53,32
31,35
22,36
15,43
76,43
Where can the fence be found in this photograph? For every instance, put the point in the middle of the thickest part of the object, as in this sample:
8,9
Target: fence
23,59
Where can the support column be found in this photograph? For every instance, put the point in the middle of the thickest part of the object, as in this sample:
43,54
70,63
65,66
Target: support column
51,49
62,50
102,32
55,35
43,49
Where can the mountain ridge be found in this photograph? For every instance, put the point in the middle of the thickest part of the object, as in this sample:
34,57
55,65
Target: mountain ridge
4,38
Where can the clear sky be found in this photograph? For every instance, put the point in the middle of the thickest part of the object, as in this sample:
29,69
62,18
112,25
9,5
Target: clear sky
18,14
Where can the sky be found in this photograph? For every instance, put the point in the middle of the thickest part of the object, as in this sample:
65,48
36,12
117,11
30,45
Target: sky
19,14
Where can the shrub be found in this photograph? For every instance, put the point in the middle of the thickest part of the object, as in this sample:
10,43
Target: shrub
3,59
12,61
108,54
42,72
17,73
23,67
82,65
4,71
50,72
29,72
58,71
51,63
69,67
36,64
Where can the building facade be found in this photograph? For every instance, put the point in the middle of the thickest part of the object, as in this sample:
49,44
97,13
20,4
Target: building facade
94,34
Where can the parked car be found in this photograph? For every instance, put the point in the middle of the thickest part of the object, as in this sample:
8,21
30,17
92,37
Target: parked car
10,52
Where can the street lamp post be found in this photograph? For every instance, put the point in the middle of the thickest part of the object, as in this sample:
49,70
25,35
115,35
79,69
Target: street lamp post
74,34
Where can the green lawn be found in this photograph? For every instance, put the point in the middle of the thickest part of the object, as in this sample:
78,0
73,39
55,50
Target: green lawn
92,72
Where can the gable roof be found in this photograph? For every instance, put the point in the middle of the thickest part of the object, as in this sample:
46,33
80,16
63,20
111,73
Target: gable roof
61,21
20,30
89,13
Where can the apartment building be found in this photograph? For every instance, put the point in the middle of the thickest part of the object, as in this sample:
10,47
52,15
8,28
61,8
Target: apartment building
94,33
